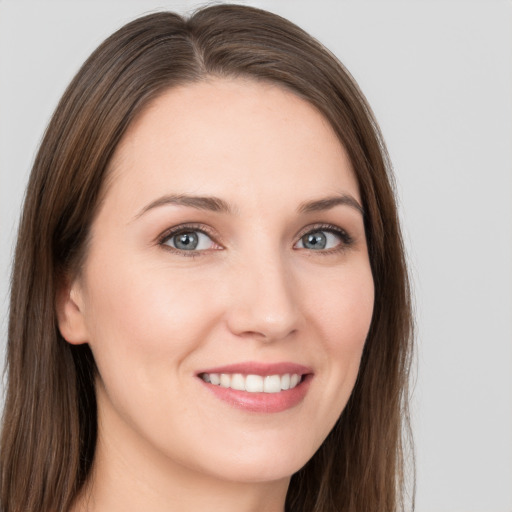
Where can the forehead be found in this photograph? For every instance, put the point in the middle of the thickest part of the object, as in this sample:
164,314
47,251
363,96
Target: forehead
232,138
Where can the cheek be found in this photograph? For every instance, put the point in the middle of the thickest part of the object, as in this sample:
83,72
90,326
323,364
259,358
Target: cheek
343,316
345,309
142,317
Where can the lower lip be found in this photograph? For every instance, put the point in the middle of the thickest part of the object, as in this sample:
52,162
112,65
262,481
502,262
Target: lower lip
262,402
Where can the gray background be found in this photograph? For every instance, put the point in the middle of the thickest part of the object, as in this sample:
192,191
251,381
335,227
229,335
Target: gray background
439,77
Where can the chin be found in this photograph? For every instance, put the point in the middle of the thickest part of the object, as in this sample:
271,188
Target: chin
274,468
260,463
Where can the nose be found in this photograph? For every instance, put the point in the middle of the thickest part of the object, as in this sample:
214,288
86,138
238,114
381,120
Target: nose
263,301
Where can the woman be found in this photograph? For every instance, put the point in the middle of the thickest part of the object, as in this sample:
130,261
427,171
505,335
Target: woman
209,300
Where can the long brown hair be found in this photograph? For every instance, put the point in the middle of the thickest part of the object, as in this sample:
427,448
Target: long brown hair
49,424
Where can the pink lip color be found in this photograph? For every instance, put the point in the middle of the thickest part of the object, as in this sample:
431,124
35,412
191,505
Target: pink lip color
261,402
263,369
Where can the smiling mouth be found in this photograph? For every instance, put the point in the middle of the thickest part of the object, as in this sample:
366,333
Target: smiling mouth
258,387
253,383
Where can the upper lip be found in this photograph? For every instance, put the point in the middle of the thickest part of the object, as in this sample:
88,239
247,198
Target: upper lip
258,368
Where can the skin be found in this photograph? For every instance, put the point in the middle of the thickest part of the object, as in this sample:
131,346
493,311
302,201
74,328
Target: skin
154,316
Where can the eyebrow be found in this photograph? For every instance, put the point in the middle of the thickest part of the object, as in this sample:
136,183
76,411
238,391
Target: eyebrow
215,204
330,202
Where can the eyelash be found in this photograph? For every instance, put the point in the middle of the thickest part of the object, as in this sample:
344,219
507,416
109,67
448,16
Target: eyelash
185,228
345,239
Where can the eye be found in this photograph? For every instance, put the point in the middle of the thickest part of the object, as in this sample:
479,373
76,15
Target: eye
322,239
187,239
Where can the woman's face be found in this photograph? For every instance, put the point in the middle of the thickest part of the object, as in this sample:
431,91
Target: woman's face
229,248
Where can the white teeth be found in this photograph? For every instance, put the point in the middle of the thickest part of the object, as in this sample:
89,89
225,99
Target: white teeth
272,384
238,382
225,380
253,383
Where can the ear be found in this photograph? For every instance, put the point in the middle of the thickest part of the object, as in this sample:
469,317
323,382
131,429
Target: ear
70,312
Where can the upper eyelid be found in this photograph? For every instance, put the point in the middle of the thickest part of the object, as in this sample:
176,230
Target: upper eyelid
168,233
322,227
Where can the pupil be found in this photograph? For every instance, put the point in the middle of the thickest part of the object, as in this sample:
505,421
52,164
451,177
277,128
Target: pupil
186,241
315,240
